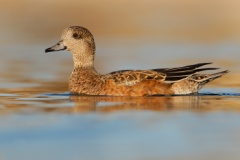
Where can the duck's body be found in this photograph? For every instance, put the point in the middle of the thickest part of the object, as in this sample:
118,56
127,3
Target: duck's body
86,80
127,83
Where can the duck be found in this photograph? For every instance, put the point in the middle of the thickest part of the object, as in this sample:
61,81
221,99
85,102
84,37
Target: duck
85,80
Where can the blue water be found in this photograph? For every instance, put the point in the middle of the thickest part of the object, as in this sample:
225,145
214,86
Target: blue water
39,119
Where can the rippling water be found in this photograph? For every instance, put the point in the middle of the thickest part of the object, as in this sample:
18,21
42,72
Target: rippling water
39,119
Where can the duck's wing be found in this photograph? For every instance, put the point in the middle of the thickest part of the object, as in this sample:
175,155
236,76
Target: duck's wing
178,73
131,77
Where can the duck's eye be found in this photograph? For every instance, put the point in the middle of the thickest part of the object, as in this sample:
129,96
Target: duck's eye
76,36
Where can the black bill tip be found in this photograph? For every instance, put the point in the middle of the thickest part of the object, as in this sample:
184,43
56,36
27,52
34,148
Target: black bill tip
49,50
52,49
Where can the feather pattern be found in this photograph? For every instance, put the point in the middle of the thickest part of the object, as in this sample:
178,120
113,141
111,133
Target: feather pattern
164,81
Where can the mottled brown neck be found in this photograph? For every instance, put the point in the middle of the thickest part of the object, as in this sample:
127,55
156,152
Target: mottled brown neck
86,81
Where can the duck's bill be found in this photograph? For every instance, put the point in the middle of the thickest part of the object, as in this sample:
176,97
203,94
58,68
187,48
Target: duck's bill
57,47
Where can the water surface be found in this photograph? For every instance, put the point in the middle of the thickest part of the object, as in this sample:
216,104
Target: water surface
39,119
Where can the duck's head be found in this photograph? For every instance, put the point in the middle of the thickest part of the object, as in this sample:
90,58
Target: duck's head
75,39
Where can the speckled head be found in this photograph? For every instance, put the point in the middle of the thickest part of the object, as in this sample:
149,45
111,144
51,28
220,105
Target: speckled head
75,39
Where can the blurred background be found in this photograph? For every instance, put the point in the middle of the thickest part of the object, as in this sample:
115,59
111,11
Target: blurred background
128,34
39,120
163,20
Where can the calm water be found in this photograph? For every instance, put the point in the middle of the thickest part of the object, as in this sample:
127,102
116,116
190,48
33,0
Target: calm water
40,120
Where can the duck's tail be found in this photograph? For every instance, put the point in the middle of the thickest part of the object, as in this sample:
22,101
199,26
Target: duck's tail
195,82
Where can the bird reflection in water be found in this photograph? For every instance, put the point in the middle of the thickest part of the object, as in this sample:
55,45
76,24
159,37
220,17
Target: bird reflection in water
153,103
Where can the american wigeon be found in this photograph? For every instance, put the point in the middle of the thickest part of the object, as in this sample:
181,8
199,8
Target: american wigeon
163,81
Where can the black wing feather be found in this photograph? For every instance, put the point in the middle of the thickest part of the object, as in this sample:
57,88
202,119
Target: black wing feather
178,73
